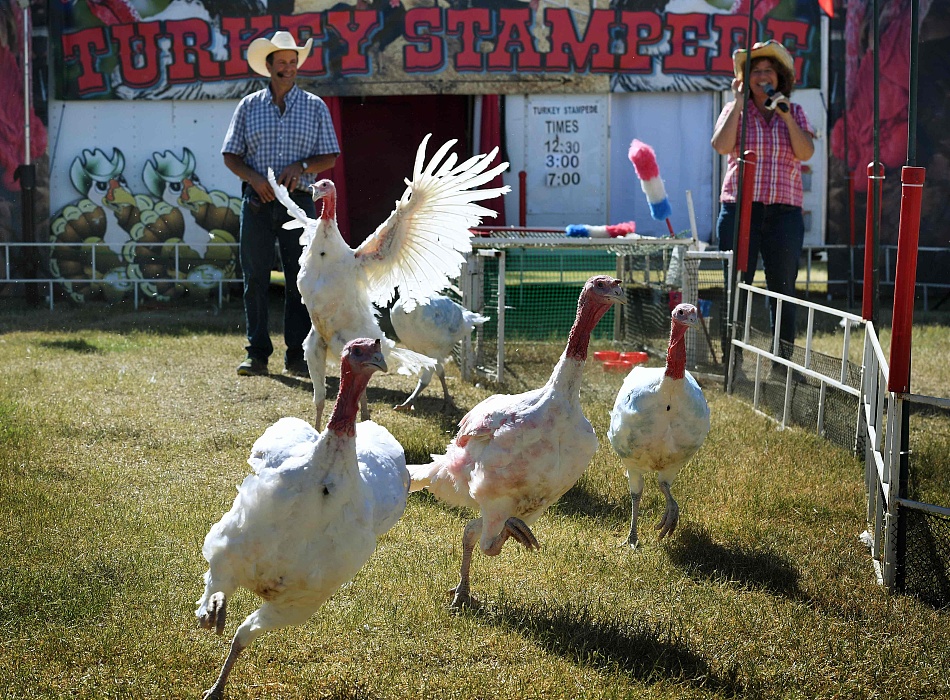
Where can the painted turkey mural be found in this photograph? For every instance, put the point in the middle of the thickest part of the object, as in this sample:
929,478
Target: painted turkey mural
114,239
208,253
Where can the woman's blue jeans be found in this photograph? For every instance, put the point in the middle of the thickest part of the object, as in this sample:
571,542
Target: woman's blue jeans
262,225
777,232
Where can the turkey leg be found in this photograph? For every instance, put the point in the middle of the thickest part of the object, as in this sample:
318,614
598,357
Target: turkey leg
636,493
216,692
514,527
671,516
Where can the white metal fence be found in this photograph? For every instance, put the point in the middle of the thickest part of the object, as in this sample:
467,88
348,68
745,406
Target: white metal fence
803,386
526,279
139,272
854,266
792,366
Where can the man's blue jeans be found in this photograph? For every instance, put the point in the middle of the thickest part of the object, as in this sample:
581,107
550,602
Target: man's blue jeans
777,232
262,225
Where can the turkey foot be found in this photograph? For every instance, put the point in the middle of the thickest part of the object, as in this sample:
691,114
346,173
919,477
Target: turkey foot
462,598
217,613
516,527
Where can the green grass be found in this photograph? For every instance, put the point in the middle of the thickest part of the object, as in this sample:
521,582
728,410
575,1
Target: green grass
123,435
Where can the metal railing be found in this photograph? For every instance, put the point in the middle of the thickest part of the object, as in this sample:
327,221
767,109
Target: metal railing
127,273
769,353
855,269
875,431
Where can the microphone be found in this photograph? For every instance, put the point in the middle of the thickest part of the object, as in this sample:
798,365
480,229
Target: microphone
770,91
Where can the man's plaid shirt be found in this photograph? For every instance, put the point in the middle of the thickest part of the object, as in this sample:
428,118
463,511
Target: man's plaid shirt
265,138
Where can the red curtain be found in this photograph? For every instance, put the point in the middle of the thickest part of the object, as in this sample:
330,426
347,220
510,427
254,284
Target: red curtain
338,172
490,136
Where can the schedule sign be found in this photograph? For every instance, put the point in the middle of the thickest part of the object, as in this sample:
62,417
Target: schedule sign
566,156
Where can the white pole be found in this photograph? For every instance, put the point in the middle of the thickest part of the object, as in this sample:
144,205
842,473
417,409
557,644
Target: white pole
27,87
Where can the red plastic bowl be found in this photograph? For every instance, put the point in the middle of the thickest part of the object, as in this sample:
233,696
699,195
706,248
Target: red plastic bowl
606,355
617,365
634,357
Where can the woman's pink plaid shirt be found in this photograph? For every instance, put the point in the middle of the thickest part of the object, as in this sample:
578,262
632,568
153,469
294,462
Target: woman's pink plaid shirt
778,173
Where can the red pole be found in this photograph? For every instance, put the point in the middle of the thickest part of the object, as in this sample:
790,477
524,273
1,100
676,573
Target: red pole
522,198
851,204
875,182
745,210
905,278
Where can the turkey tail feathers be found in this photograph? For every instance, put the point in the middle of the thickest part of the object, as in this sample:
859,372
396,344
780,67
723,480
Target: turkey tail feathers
420,475
300,217
410,362
473,319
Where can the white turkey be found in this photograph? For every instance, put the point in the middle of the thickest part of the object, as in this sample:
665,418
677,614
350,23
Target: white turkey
433,327
515,455
308,518
417,250
658,422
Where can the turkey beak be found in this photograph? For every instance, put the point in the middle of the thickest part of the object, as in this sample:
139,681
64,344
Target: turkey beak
377,359
190,192
617,293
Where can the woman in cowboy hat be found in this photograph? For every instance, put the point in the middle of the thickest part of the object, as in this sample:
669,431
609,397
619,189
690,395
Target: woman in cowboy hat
779,133
290,131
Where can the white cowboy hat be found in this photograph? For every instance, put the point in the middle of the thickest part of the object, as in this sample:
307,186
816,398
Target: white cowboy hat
766,49
260,49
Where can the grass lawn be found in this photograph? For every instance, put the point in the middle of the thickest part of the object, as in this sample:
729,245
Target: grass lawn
124,433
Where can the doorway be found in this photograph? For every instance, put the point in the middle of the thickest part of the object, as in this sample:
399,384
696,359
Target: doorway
380,138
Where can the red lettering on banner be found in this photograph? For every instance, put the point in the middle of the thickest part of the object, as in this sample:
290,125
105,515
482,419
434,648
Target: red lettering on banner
305,26
732,32
142,49
783,30
514,46
686,55
355,28
643,29
424,52
568,52
241,31
84,48
190,46
466,24
138,53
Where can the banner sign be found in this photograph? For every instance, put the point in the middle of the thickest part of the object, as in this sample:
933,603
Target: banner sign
110,49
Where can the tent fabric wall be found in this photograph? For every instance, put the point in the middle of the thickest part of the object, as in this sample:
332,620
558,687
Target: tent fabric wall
677,127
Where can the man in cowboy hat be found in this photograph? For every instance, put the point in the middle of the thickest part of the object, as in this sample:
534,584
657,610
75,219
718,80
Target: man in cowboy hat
779,133
290,131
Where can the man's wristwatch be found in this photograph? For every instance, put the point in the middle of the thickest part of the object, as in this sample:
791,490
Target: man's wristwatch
304,164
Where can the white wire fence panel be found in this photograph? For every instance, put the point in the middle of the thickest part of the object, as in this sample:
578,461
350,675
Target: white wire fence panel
92,270
833,380
814,382
528,282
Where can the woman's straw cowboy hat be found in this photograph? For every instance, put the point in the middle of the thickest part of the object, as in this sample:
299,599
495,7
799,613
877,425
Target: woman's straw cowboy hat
260,49
766,49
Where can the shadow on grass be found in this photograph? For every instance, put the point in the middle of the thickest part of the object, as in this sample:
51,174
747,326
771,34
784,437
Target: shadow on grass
695,552
582,502
346,689
629,644
77,345
175,318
